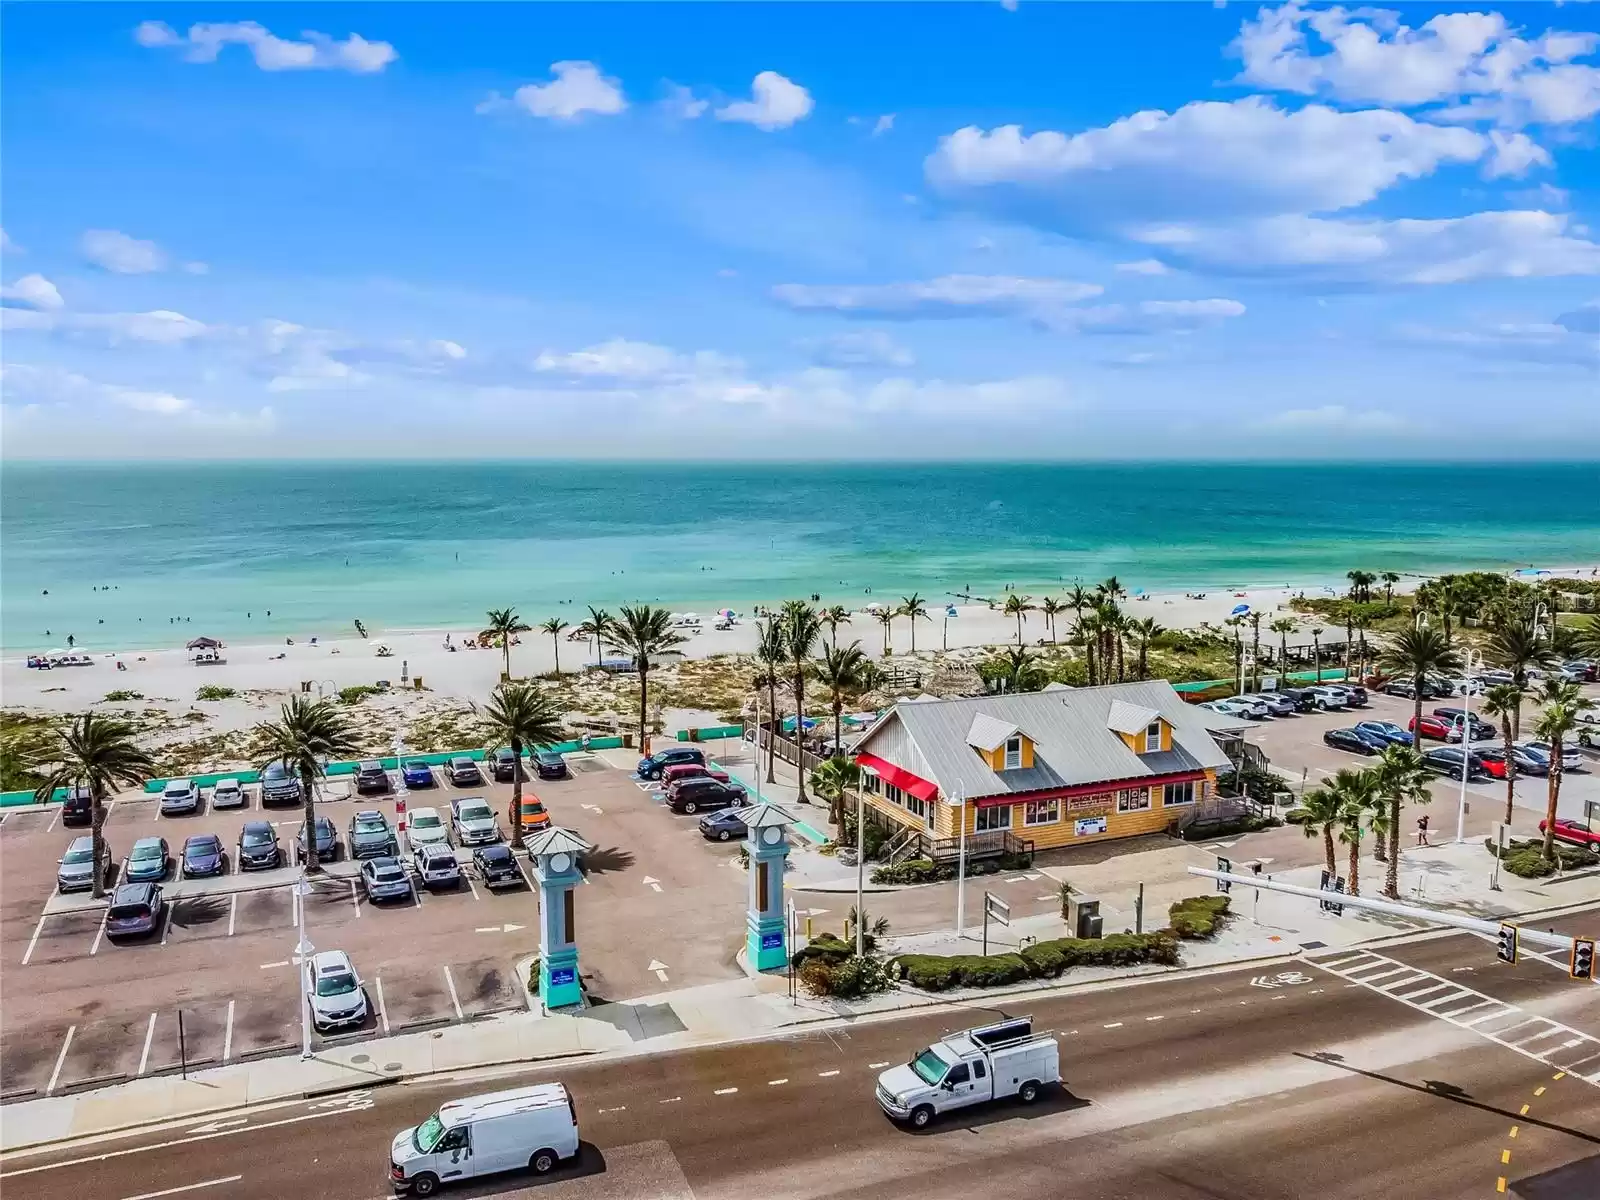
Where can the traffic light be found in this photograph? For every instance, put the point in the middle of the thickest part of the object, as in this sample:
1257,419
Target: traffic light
1582,958
1226,868
1506,945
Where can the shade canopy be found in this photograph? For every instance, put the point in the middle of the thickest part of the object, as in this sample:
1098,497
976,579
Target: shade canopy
204,643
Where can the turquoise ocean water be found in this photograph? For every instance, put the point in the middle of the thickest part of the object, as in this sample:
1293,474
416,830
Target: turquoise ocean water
404,545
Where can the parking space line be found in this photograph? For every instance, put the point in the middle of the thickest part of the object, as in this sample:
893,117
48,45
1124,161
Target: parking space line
416,894
99,933
188,1187
227,1035
233,913
166,922
149,1034
53,816
449,982
470,887
55,1076
34,940
383,1009
355,897
524,874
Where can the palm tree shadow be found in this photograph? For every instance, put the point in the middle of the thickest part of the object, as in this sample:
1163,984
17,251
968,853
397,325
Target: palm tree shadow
604,860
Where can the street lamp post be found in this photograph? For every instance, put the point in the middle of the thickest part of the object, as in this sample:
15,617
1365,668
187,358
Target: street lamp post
401,792
861,859
961,864
1466,741
303,950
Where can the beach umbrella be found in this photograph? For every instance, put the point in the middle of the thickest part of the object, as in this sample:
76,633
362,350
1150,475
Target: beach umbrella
1239,610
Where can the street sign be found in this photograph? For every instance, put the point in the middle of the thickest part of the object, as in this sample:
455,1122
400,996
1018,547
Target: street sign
995,909
562,975
1226,867
772,941
1330,883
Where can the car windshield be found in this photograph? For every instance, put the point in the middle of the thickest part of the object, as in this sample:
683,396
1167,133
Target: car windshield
205,845
498,855
337,983
257,837
428,1134
475,812
371,824
145,850
79,855
929,1066
416,766
425,821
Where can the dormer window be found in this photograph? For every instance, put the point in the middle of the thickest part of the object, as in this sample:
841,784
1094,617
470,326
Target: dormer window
1013,753
1152,737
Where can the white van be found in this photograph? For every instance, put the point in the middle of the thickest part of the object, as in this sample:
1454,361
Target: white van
527,1128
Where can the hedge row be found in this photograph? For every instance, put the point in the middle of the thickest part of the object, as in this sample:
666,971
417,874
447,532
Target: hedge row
1198,916
922,870
1526,858
937,973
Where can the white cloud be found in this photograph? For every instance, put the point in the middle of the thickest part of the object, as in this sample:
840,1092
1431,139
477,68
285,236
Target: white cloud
34,291
1334,420
1513,155
161,326
1485,245
578,88
124,255
622,359
164,403
1146,317
947,296
683,104
859,348
196,268
1145,266
776,103
1552,343
1240,158
204,42
1368,56
883,124
76,397
7,246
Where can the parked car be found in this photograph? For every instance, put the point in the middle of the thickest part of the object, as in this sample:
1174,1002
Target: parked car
1481,729
1494,761
704,795
1473,685
1447,761
672,756
279,786
370,835
135,909
371,778
436,865
1575,831
722,826
424,828
1358,694
179,797
690,771
77,808
1495,676
464,773
259,849
76,871
1580,670
1300,697
150,859
1386,732
505,765
1229,708
1404,688
417,774
1354,741
535,818
496,866
1571,760
1436,728
1251,706
326,841
334,991
203,855
228,793
1329,698
473,821
385,879
1278,705
551,765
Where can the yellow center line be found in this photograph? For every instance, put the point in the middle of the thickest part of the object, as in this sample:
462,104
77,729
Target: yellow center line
1538,1091
1559,1075
1514,1129
1505,1156
1525,1110
1500,1184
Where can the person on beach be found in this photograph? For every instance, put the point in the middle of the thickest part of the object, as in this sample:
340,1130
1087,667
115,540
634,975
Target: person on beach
1422,831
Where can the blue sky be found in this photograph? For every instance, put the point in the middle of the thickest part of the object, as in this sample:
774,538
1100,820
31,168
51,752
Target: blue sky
951,230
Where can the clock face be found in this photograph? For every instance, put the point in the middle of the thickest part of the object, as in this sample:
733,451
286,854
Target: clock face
772,835
560,862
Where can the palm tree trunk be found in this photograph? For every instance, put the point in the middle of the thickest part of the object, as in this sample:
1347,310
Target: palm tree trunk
912,620
97,825
505,645
799,732
556,643
1121,673
644,694
310,859
772,731
1328,854
1019,628
1511,769
516,795
1391,878
1355,866
1554,797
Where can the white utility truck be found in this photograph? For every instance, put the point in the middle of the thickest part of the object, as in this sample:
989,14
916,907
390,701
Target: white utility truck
532,1127
991,1062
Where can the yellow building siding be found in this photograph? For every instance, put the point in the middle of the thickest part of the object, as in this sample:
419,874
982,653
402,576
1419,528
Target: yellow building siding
996,758
1135,741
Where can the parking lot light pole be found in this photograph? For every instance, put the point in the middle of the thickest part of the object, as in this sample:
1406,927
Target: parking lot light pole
303,951
401,792
861,858
961,864
1466,740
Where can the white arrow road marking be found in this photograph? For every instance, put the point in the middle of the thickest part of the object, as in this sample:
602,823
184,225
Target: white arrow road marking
188,1187
816,912
652,883
506,928
594,808
1032,875
659,967
214,1126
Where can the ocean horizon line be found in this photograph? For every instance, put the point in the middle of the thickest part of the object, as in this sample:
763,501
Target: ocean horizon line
686,461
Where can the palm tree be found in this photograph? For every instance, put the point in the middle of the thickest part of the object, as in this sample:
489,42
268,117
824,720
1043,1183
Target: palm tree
771,650
842,669
1112,590
829,781
1401,779
873,927
1078,599
886,619
1415,653
834,617
1051,608
801,630
1144,631
1255,652
1361,585
97,753
1323,812
1389,580
1355,793
1316,651
505,625
1562,704
305,736
597,629
913,609
641,633
1016,669
554,627
1117,624
1447,599
519,715
1504,700
1283,627
1017,606
1237,625
1087,632
1588,639
1517,647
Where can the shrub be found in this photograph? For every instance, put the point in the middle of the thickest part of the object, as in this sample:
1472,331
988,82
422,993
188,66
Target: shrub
847,980
1529,864
1526,857
357,693
119,695
914,870
215,691
533,976
1204,831
1198,916
1042,960
825,947
1296,816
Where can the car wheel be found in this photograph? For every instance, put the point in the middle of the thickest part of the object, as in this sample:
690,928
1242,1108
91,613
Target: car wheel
921,1117
543,1162
723,835
425,1184
1028,1092
690,807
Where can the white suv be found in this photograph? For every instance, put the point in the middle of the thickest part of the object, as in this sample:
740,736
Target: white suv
334,991
179,796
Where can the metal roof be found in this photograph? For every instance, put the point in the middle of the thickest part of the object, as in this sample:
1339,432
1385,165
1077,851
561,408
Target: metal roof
1130,718
1072,742
556,840
764,816
987,733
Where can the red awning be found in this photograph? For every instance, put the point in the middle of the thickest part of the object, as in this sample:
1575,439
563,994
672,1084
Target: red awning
1087,789
901,778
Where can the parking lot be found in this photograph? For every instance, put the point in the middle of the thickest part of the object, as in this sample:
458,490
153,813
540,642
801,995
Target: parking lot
661,908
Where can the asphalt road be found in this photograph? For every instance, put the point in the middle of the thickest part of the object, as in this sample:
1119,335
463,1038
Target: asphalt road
1280,1082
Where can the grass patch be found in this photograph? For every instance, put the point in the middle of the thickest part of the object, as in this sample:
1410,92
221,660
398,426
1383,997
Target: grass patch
356,693
121,696
215,691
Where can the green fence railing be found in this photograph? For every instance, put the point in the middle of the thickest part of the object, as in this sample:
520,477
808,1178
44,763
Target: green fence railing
1329,675
711,733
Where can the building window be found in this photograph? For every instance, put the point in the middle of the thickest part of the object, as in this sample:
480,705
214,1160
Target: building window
893,794
1152,737
1013,753
1179,793
992,818
1133,800
914,805
1041,812
870,781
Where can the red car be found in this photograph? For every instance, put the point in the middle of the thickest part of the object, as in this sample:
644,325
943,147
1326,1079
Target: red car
689,771
1576,832
1436,728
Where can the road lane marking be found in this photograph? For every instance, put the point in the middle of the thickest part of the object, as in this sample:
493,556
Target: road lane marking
1514,1129
1505,1157
450,983
50,827
1524,1110
470,888
670,1100
876,1066
280,963
725,1091
1538,1091
101,932
188,1187
776,1082
383,1009
55,1075
618,1108
355,898
34,940
1112,1025
826,1074
166,923
149,1034
233,913
227,1035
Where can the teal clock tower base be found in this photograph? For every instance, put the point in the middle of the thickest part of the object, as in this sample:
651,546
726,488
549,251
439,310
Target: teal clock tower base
767,841
555,868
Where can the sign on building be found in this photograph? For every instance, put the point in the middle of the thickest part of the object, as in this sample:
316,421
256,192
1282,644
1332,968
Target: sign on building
1087,826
